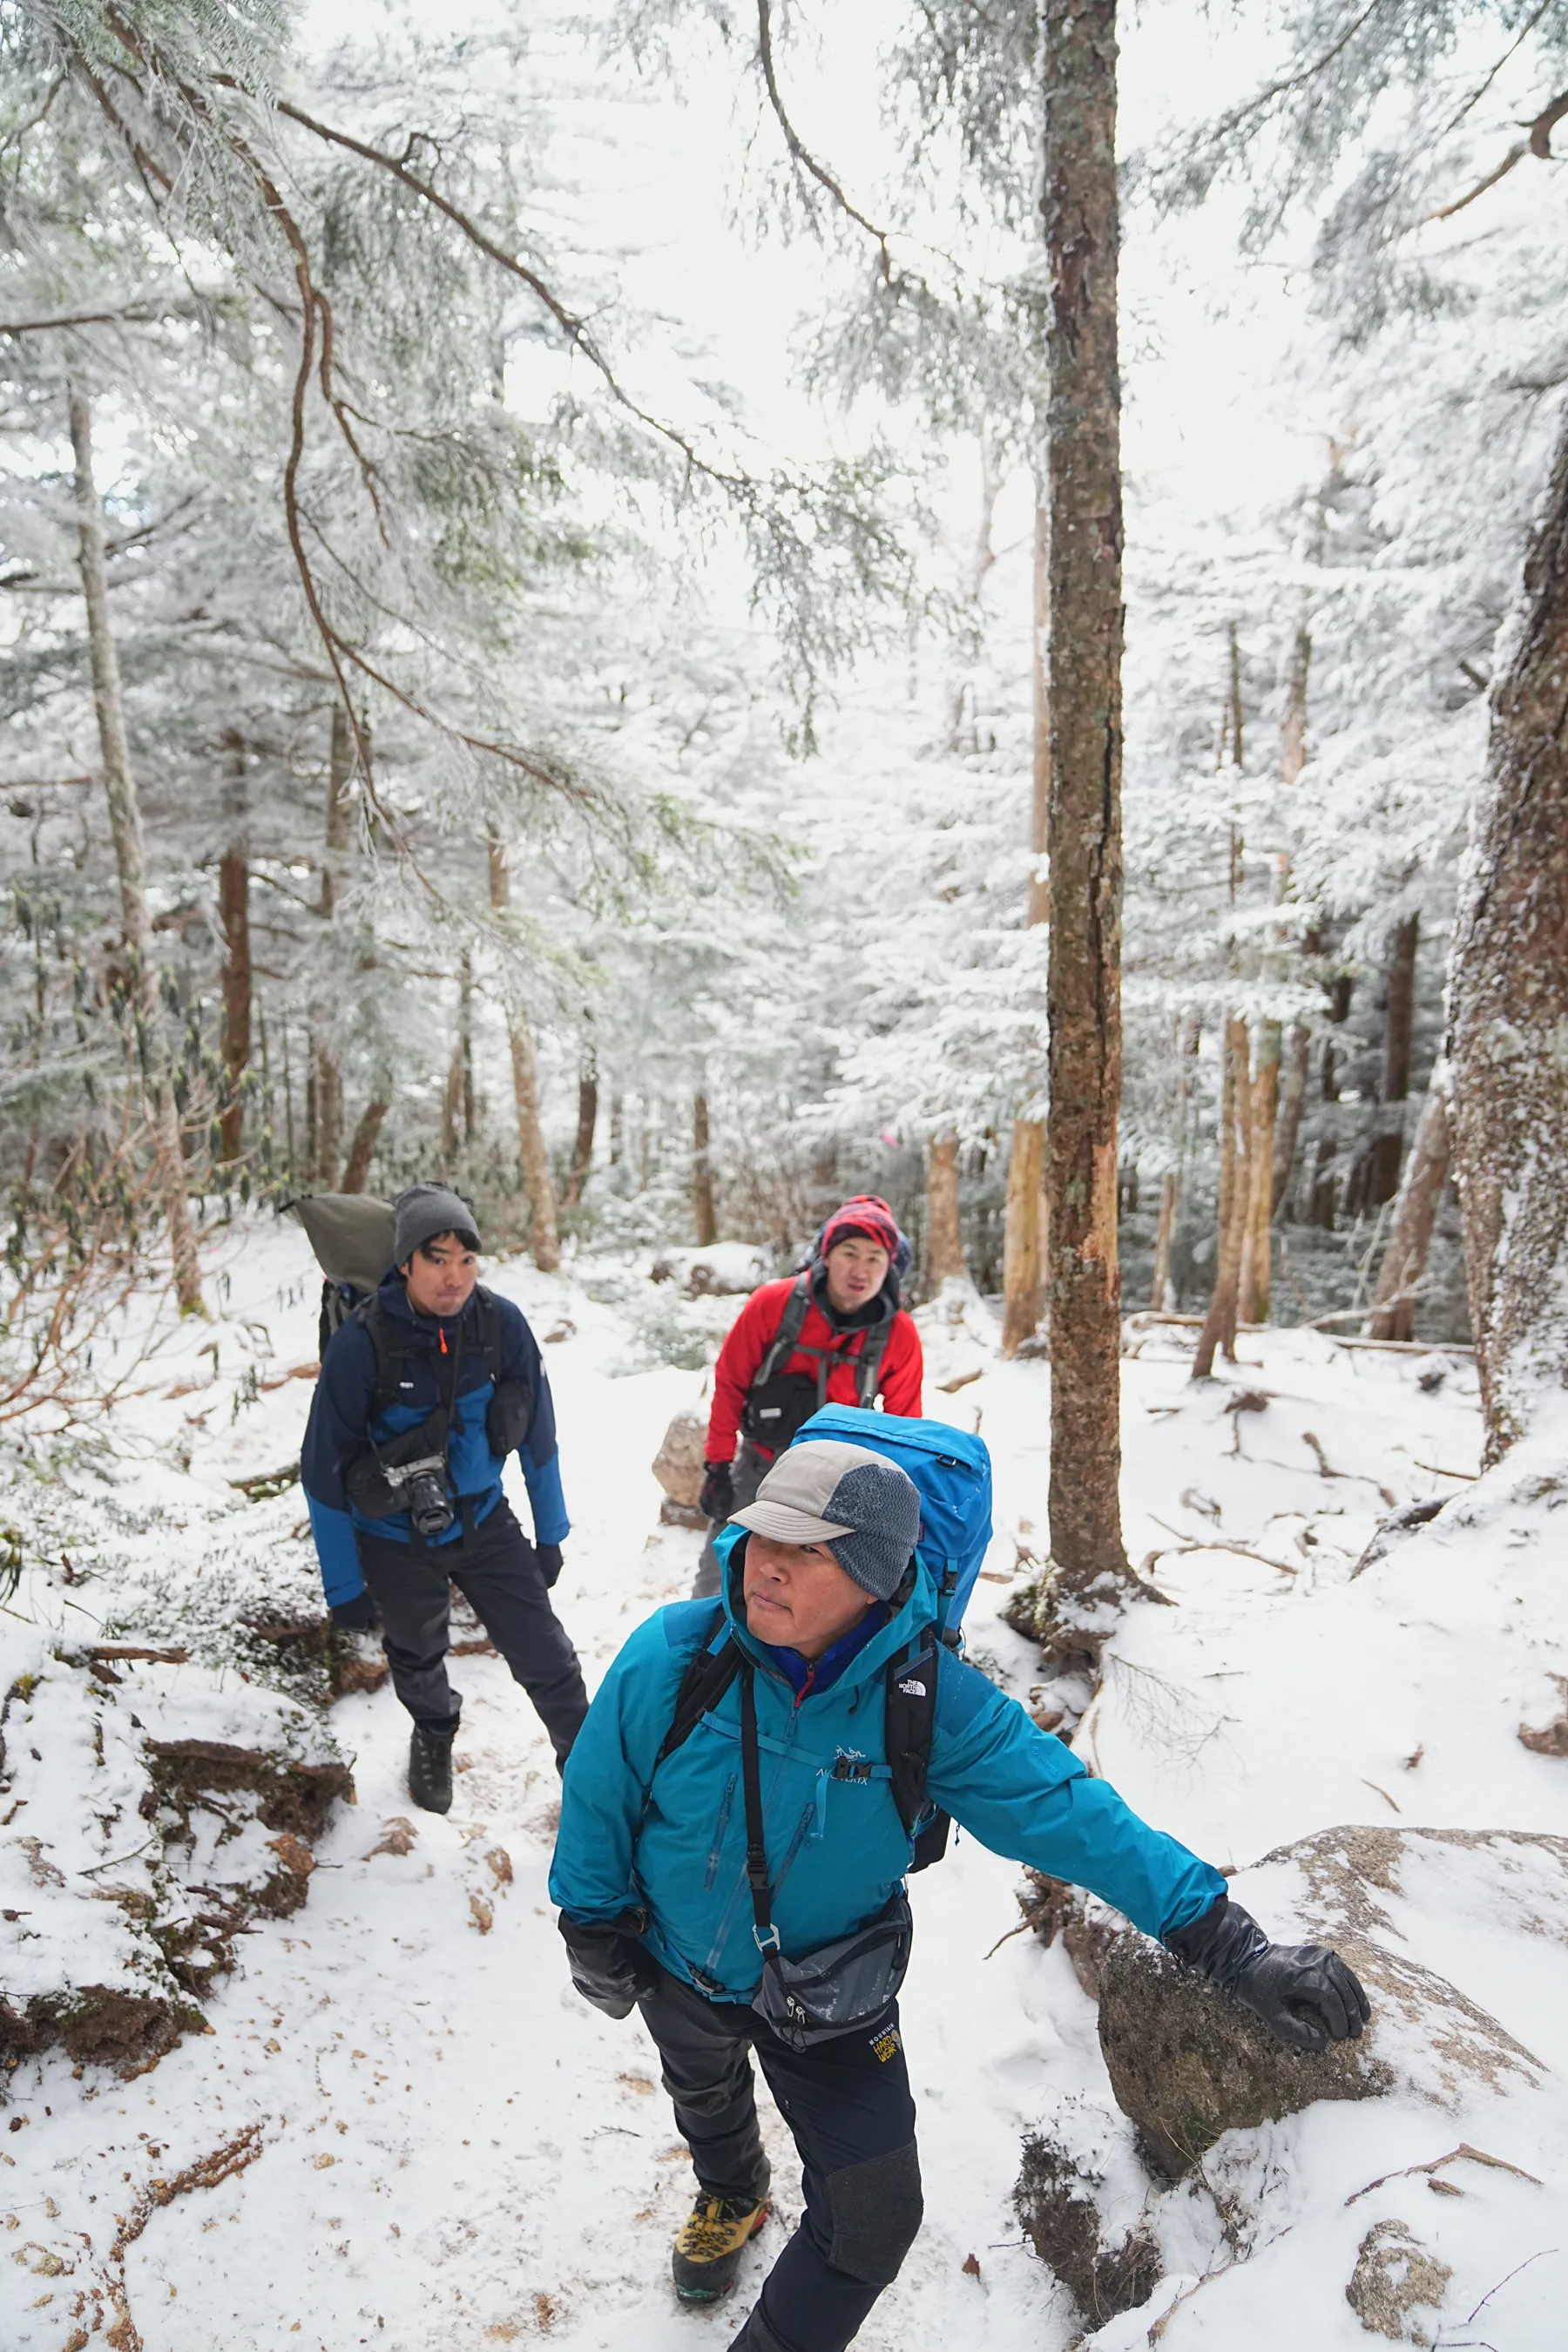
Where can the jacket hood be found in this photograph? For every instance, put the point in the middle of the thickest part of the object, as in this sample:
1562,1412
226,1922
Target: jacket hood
916,1611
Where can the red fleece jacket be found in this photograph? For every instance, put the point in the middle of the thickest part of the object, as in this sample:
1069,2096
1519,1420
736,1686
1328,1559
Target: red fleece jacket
898,1375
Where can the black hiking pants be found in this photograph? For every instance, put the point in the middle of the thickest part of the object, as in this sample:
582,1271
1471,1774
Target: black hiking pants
751,1468
498,1570
847,2105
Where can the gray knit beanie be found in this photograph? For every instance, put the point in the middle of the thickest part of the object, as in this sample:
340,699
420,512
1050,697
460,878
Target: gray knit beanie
425,1211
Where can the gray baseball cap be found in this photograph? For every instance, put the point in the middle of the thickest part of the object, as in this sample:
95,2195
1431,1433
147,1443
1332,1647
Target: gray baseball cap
861,1505
425,1211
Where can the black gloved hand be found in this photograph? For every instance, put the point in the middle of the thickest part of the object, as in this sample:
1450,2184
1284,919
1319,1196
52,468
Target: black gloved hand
549,1557
1303,1993
717,1499
610,1965
355,1616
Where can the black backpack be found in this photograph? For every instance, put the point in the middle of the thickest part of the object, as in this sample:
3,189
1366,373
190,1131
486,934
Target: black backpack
778,1403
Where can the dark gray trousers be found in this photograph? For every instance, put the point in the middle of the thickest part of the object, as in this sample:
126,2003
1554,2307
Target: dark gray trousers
499,1572
751,1469
848,2106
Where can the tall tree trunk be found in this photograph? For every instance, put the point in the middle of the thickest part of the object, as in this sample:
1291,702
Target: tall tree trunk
130,865
234,915
544,1238
356,1171
1253,1305
1024,1236
944,1235
702,1175
1078,201
327,1077
451,1107
1414,1215
1389,1149
465,1043
587,1121
1219,1323
617,1126
1508,1010
1292,1100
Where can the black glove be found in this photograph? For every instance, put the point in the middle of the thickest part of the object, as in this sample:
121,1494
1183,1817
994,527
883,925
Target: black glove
610,1965
717,1499
355,1616
1303,1993
549,1557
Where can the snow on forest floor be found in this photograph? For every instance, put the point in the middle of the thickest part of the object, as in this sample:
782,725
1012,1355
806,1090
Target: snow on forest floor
454,2149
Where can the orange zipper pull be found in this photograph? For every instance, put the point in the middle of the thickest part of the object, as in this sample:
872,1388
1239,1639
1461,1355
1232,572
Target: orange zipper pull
441,1335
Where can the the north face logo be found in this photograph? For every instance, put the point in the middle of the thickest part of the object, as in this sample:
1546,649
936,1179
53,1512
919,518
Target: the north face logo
913,1689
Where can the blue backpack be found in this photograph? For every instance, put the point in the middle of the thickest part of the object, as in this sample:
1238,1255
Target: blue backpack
952,1471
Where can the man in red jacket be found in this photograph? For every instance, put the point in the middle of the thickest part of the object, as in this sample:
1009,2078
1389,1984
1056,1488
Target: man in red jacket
835,1334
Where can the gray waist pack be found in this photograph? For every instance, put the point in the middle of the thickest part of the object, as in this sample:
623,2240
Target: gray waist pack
840,1986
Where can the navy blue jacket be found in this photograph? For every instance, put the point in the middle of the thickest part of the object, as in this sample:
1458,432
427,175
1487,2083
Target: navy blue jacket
672,1842
341,1422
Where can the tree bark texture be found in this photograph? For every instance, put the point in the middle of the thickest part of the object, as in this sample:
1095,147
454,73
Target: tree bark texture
1292,1101
1219,1323
944,1236
326,1063
1253,1299
130,865
702,1175
1023,1259
1389,1148
1414,1215
582,1164
1508,1040
544,1238
356,1171
234,915
1084,693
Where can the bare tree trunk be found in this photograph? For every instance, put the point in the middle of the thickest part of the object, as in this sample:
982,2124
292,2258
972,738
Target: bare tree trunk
234,915
1292,1100
1023,1249
545,1235
326,1067
1022,1264
362,1149
1414,1215
465,1043
1255,1258
1508,1010
1389,1149
617,1126
1079,199
1160,1292
451,1106
131,864
1219,1323
702,1175
582,1164
944,1235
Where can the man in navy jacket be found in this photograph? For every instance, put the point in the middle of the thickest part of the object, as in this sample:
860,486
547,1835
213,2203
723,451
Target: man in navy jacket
663,1884
422,1395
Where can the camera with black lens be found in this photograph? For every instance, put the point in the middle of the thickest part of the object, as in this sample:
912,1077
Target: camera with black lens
409,1476
429,1507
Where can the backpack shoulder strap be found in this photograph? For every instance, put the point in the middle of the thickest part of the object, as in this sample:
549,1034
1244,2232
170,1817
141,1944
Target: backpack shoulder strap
487,1337
391,1354
702,1686
910,1715
868,1362
791,1322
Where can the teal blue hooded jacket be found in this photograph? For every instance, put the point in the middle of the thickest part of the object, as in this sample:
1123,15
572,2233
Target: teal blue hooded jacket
672,1842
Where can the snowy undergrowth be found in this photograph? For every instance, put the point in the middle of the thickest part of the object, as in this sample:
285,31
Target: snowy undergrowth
404,2128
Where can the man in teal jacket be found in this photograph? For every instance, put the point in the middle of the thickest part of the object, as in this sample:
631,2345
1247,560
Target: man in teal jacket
663,1906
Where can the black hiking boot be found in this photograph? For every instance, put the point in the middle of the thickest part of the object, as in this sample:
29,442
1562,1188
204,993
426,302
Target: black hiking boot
708,2251
430,1766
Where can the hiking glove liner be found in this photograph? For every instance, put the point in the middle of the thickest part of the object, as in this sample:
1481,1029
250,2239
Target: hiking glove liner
1303,1993
549,1558
610,1966
717,1499
355,1616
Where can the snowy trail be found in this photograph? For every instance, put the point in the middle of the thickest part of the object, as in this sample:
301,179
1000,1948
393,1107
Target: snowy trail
454,2148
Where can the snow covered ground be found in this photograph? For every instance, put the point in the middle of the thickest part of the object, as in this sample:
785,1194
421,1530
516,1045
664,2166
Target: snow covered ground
404,2127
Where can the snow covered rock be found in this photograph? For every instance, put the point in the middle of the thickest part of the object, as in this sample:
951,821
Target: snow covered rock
722,1270
959,1336
679,1464
1187,2064
152,1809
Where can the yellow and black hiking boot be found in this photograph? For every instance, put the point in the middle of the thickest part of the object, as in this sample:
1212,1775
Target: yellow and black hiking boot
708,2251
